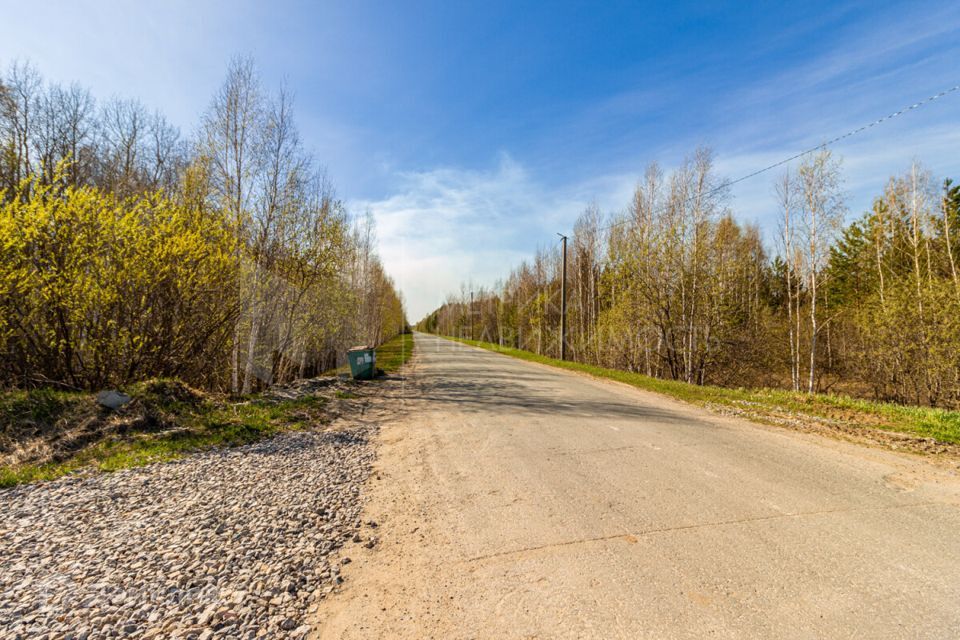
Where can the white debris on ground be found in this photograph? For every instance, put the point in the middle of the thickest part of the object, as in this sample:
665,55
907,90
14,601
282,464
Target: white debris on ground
235,543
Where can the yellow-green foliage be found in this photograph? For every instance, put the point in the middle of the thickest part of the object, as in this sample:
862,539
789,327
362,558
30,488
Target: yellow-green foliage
912,341
96,290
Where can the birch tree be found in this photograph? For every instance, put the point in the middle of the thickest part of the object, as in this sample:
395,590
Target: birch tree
822,208
232,127
785,189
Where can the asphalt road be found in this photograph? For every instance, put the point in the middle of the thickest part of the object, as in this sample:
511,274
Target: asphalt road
515,500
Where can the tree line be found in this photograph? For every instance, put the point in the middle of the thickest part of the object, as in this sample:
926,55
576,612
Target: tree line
128,250
675,287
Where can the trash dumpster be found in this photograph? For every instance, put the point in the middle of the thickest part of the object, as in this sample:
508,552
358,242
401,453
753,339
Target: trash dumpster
363,362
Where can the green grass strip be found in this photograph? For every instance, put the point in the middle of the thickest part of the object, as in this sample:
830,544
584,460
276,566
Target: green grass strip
394,353
192,426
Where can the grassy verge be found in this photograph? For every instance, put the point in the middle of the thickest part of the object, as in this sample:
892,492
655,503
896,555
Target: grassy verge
156,427
166,420
775,406
394,353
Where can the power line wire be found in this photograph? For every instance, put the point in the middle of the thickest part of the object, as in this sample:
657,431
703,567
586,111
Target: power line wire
730,183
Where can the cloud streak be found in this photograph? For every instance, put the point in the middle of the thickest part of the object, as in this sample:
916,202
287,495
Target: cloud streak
447,227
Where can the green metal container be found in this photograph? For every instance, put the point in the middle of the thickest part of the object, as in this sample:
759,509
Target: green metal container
363,362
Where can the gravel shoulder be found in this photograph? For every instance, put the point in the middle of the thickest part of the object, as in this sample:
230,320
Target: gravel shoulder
229,543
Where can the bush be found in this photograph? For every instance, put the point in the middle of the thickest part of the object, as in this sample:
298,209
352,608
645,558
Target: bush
96,290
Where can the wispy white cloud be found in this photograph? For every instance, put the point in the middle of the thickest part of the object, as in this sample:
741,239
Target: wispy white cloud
446,227
864,76
866,59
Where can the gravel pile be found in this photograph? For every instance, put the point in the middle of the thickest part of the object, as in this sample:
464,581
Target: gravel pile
231,543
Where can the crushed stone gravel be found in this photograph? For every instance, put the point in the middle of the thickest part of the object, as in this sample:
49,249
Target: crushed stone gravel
232,543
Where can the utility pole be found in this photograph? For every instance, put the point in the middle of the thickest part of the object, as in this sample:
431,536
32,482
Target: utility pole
471,315
563,301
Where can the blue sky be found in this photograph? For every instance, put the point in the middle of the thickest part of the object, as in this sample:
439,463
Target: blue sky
475,131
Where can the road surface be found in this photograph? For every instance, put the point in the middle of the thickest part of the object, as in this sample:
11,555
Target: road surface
515,500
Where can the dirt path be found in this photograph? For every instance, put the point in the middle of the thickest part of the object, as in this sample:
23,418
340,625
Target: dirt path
518,501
